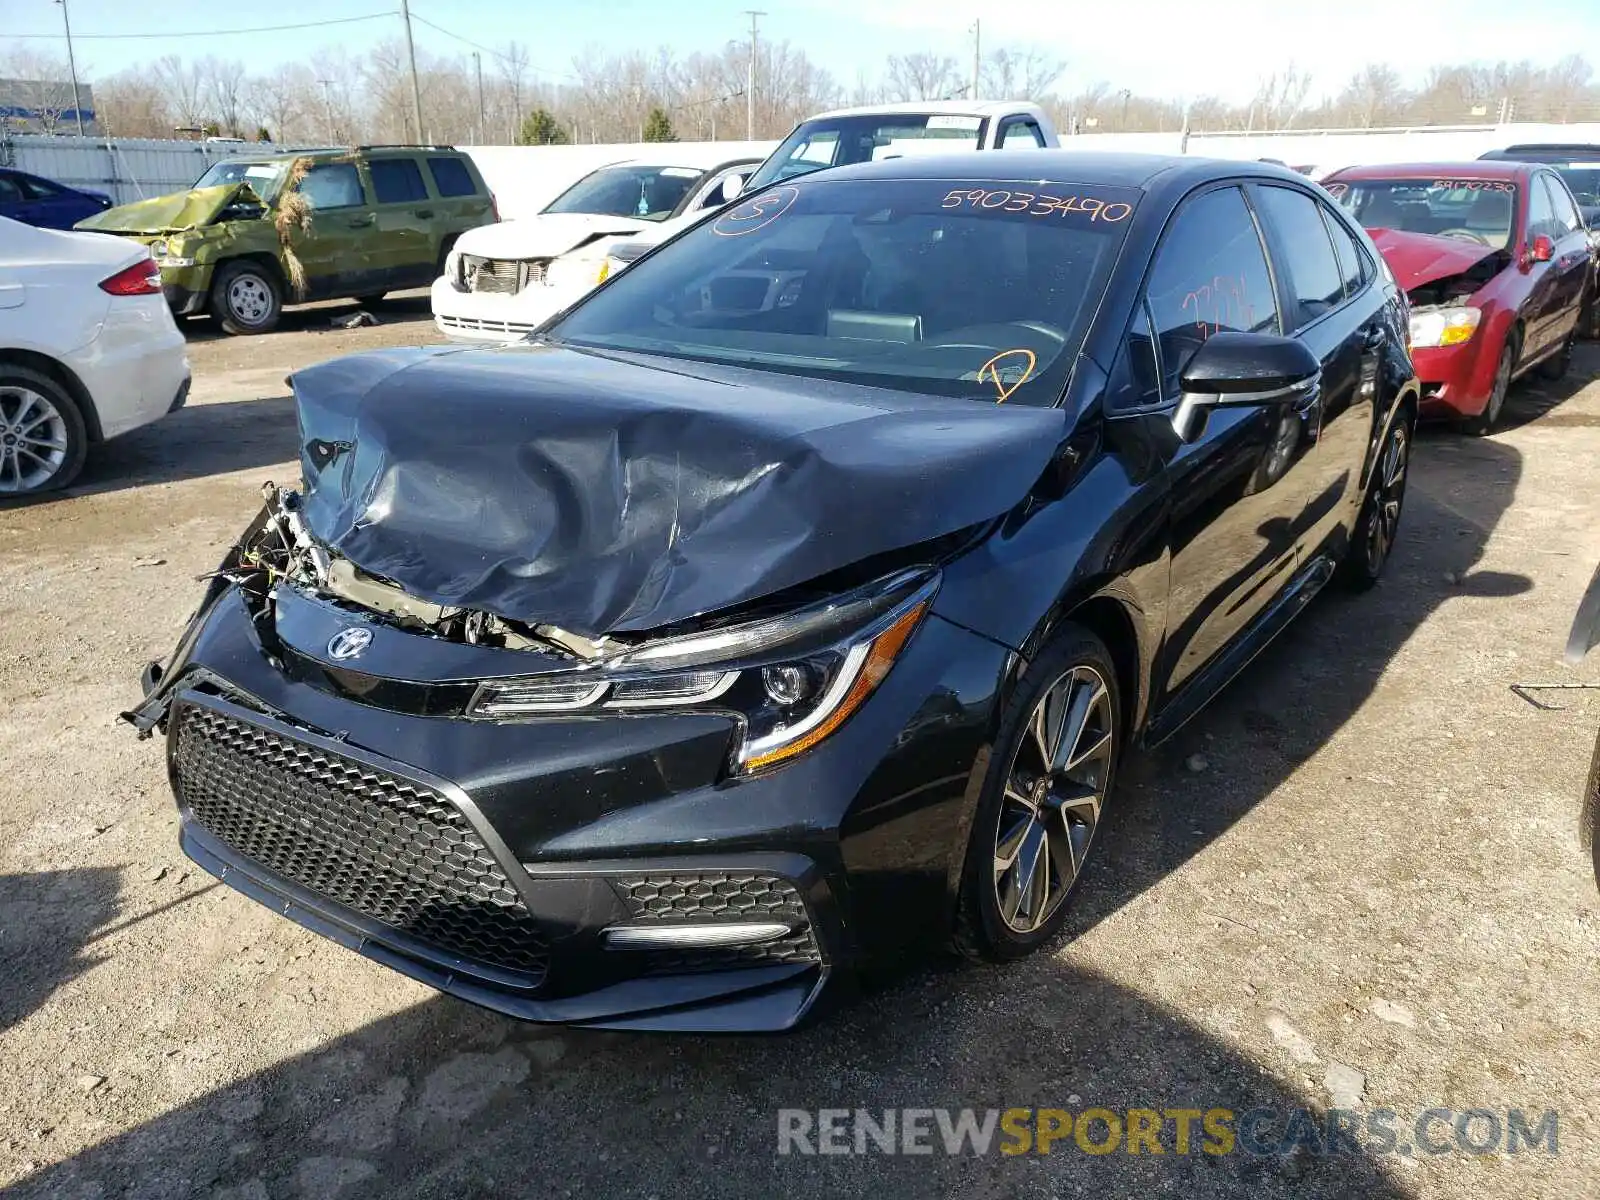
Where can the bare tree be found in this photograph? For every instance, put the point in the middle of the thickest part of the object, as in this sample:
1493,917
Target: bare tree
1279,99
514,70
132,104
222,91
42,83
1020,74
1374,96
184,86
921,76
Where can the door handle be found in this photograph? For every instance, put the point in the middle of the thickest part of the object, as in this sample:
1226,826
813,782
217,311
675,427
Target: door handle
361,222
424,212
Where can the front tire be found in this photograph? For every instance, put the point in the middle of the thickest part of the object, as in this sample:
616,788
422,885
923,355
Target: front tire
246,298
1055,761
43,439
1484,423
1379,523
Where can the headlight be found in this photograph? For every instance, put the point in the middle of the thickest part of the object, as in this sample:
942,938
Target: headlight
452,270
793,680
1444,326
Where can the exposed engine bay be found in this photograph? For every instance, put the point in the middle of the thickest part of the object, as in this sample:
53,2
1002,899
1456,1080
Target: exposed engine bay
1452,289
278,549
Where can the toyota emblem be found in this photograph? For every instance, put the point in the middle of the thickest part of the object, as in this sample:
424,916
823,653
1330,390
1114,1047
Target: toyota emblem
349,643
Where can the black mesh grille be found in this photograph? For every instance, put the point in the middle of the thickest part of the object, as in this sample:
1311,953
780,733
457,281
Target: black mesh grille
392,850
696,897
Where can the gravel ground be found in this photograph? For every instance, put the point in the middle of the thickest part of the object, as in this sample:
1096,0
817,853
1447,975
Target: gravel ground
1355,880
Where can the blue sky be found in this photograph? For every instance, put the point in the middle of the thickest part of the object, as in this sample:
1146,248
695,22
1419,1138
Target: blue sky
1224,47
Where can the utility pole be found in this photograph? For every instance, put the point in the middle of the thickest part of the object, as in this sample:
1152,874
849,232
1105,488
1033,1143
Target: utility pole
411,53
750,80
477,62
327,105
72,65
977,55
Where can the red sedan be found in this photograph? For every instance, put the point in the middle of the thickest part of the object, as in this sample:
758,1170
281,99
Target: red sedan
1495,260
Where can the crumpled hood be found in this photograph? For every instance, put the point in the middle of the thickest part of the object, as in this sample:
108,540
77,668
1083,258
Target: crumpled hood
1419,258
604,495
165,214
546,235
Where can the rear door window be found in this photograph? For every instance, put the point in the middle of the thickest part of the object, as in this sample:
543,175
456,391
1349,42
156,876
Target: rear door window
1353,266
451,177
1315,283
1210,275
397,181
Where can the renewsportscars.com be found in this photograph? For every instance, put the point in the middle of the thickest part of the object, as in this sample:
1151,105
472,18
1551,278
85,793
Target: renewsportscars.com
1180,1131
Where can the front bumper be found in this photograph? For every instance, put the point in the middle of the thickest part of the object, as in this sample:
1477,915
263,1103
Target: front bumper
494,869
491,317
1457,380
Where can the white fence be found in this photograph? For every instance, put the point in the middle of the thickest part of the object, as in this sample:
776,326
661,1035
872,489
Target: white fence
526,178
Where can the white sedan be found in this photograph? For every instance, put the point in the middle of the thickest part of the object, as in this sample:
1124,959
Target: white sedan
502,281
88,350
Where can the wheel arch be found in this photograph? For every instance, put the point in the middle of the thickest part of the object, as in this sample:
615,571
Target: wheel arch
1106,611
65,376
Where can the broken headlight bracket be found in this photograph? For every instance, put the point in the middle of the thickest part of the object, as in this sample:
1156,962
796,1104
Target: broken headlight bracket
791,680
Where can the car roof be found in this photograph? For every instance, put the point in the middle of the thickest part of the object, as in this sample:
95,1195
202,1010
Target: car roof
1065,167
1561,150
1478,168
958,108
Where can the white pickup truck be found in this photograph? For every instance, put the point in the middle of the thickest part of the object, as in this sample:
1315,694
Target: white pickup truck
868,133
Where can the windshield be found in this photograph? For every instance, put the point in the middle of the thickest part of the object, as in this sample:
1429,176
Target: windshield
949,288
839,140
649,193
1480,210
264,178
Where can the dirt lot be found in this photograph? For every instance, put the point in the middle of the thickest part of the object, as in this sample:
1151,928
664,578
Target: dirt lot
1376,870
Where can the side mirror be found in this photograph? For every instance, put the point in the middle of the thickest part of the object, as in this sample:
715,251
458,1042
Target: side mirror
731,187
1542,249
1244,368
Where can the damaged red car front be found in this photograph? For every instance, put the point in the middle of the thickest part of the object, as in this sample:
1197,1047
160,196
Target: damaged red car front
1495,261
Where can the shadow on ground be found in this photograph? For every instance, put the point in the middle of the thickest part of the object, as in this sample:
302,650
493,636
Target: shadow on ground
401,308
48,922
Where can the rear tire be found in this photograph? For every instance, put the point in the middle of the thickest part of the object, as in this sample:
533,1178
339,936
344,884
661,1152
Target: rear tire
1484,422
1373,538
1558,364
246,298
43,439
1042,799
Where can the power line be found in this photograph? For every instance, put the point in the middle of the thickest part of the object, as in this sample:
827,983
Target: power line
489,50
194,33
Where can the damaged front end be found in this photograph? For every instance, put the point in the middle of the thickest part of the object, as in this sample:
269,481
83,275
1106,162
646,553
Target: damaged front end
790,670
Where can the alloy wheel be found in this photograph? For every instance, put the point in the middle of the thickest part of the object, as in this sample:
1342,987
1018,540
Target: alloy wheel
1053,795
249,299
1388,494
33,440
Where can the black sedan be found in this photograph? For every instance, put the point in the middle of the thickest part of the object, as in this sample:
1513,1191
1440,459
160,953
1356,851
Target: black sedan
787,604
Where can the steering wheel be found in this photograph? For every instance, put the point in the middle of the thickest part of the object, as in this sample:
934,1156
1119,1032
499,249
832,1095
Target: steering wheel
1465,235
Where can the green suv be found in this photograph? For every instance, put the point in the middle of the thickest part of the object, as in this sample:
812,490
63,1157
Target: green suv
254,234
